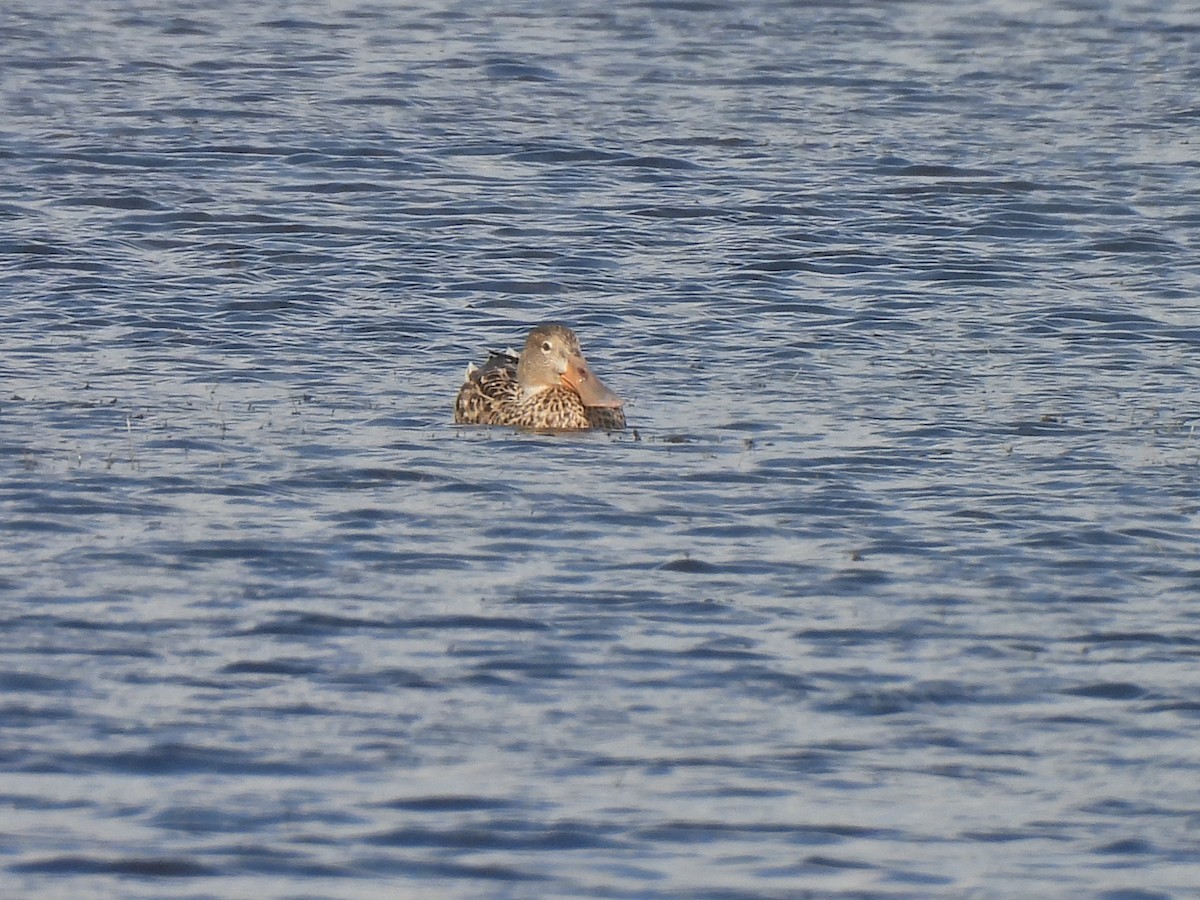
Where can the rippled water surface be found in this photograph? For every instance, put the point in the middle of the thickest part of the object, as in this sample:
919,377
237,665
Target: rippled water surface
889,591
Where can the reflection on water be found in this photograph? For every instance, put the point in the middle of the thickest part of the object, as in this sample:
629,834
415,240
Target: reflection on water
885,592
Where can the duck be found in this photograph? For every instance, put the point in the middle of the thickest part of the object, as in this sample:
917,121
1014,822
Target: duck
547,387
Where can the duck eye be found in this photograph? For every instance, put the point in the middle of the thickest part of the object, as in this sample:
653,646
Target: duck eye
546,346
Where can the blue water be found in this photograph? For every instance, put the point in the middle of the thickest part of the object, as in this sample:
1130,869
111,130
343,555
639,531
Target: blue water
889,590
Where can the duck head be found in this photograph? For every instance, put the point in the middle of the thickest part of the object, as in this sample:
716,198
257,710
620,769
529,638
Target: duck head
552,358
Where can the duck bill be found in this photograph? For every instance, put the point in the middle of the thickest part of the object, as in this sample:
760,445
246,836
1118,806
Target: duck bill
583,381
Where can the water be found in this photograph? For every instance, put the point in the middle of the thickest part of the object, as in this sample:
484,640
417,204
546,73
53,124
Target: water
888,592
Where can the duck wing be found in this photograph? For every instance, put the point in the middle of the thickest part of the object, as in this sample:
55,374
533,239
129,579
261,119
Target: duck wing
488,391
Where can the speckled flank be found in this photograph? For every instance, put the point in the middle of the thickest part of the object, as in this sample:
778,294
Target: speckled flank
605,418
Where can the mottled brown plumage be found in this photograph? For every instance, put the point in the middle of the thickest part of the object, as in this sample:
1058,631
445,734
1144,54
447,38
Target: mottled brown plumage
548,387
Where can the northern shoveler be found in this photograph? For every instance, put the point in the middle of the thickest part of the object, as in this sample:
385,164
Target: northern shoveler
548,387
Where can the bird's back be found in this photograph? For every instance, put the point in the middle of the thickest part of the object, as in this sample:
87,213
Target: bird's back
487,391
